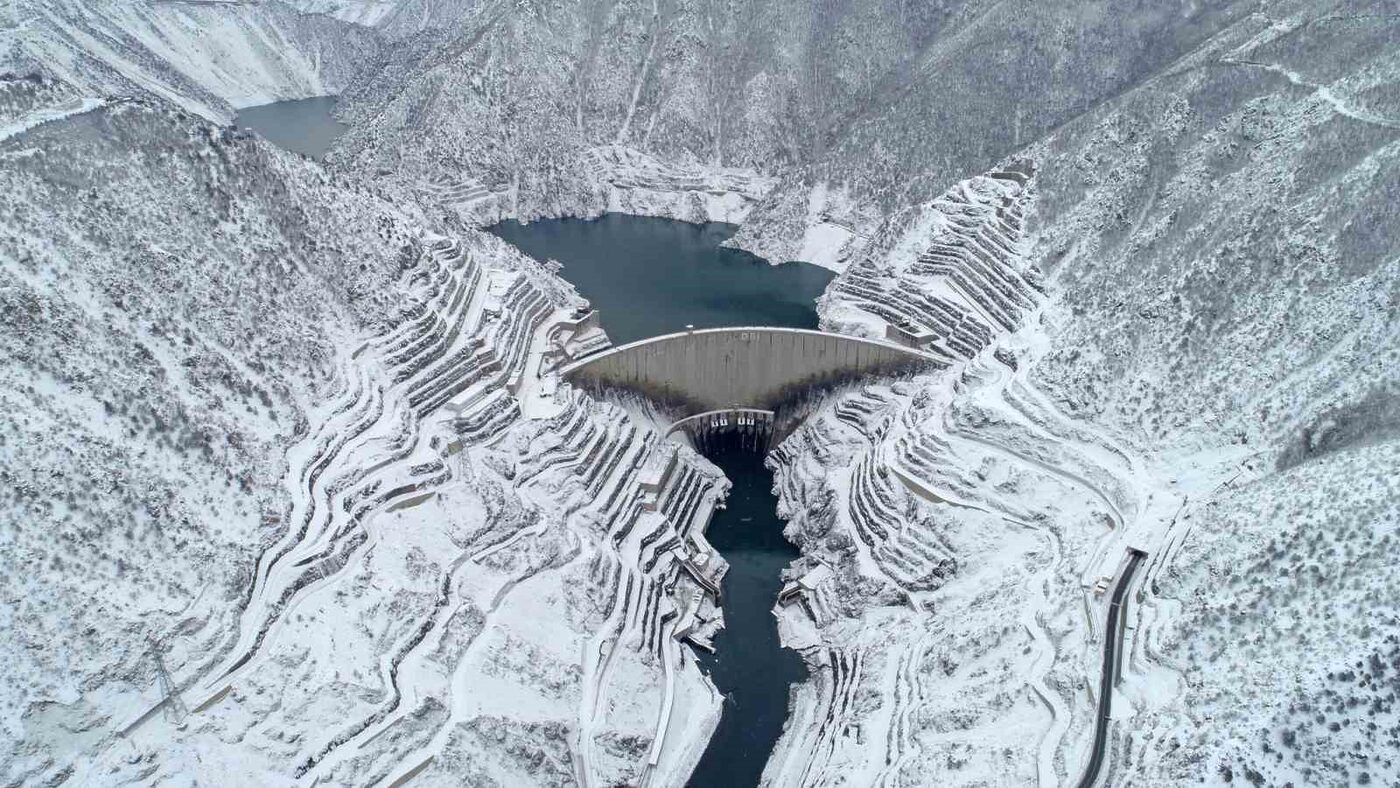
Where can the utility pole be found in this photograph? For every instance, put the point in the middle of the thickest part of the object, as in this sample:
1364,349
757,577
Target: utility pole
175,710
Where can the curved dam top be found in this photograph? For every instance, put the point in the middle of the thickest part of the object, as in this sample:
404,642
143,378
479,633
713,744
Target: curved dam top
712,369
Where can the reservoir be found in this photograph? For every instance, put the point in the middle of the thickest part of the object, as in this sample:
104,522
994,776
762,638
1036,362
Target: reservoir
302,125
653,276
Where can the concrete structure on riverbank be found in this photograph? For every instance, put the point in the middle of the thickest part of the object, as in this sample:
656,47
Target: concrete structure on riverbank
720,369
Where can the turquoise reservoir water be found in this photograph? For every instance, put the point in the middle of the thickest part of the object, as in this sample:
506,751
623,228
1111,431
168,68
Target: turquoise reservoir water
302,125
653,276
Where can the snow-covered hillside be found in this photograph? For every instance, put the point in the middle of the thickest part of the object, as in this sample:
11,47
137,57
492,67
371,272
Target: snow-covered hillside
884,105
210,58
148,418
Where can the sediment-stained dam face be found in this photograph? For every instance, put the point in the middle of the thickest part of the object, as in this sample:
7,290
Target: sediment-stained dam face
714,369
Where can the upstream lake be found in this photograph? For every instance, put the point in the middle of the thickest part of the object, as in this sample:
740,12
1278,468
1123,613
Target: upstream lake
654,276
303,125
651,276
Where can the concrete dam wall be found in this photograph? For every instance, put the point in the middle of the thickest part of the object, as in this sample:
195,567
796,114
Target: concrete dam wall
721,368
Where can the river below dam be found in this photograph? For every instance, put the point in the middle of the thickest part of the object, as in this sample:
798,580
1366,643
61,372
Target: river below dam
653,276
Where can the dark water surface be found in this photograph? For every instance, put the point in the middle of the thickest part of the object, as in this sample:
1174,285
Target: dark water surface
750,666
653,276
301,125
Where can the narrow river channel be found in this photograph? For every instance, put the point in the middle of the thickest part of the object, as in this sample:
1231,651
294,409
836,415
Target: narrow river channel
749,665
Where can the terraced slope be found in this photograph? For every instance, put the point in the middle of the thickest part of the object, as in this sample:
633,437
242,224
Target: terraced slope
322,481
150,416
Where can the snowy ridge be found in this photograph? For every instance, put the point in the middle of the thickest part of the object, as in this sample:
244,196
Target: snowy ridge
457,565
208,58
1083,424
884,109
266,425
171,457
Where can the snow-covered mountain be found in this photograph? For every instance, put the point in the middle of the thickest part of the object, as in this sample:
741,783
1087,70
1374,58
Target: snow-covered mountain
210,58
296,431
876,103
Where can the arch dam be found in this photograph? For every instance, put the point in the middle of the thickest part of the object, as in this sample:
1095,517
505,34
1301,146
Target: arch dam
719,378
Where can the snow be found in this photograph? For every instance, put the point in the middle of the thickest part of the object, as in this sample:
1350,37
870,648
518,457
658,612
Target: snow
826,240
410,597
209,58
48,114
361,12
261,408
823,245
